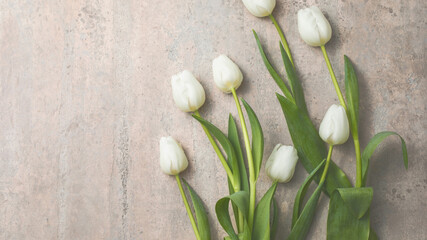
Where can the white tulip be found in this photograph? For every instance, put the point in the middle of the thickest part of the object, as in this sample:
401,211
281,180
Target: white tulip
260,8
313,27
226,73
334,128
172,157
188,93
280,166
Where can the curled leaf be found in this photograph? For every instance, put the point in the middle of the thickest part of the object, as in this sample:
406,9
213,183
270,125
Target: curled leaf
241,200
372,145
348,216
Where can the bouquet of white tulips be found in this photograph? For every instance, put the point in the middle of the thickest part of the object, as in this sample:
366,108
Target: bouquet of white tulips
349,208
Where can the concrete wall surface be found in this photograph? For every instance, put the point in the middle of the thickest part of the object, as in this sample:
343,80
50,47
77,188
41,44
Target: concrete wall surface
85,96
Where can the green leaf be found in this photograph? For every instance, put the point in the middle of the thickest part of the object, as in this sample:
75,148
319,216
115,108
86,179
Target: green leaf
201,216
235,210
226,145
302,225
233,135
311,148
358,201
296,87
275,221
241,237
299,199
348,216
279,81
241,200
257,138
370,148
352,95
261,227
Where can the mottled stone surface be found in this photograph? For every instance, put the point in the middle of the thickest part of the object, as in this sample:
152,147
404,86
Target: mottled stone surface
85,96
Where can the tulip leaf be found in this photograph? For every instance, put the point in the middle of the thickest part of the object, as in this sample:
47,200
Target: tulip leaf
303,223
372,145
234,207
201,216
348,216
299,198
352,95
275,221
241,200
257,138
241,237
233,136
279,81
261,228
296,87
226,145
311,148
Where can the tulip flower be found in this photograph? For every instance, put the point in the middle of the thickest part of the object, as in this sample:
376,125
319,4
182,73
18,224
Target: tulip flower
188,93
172,157
313,27
334,128
260,8
280,166
226,73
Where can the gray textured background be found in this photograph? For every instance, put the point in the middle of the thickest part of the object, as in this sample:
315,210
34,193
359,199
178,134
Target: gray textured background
85,97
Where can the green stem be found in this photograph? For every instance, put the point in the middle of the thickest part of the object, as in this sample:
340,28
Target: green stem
236,186
358,161
252,180
282,37
334,79
190,214
328,159
219,153
241,226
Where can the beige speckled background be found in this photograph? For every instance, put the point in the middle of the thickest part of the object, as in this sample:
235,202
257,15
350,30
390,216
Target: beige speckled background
85,96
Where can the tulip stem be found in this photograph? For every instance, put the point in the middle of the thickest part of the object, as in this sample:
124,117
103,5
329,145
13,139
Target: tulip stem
334,79
328,159
252,180
358,160
282,37
187,206
219,153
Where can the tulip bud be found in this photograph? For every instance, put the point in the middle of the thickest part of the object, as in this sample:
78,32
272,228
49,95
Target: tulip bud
226,74
313,27
172,157
280,166
334,128
260,8
188,93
